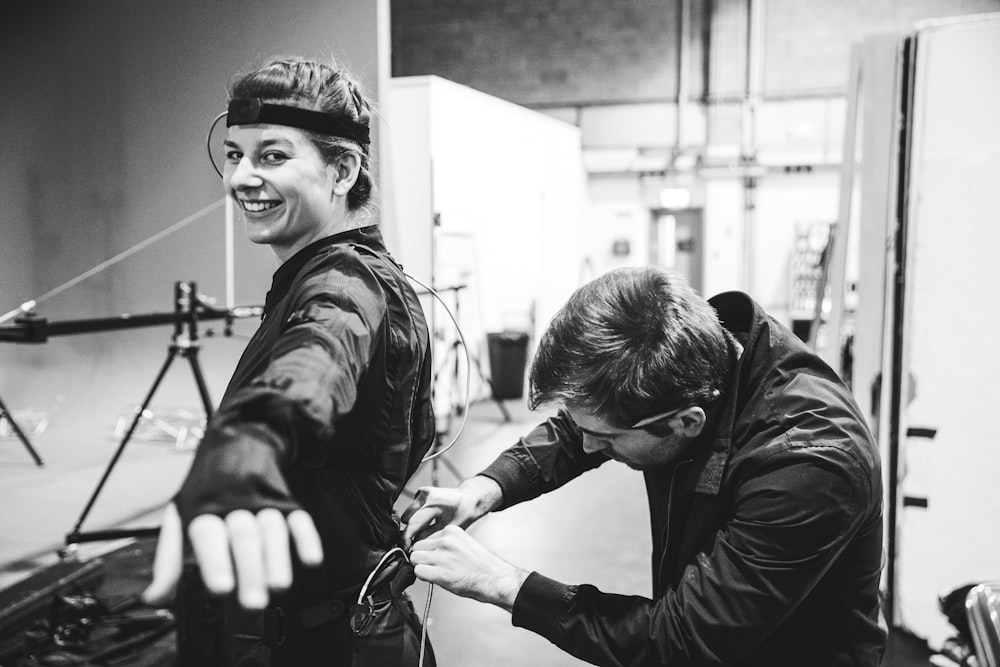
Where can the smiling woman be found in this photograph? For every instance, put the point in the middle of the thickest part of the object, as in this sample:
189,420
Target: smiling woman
328,413
298,173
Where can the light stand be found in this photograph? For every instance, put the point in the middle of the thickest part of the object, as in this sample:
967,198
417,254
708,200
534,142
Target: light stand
456,405
186,305
5,414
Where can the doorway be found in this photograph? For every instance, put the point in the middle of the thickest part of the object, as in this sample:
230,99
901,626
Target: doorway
677,242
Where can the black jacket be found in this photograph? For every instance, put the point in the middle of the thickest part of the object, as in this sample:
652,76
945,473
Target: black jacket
335,386
767,544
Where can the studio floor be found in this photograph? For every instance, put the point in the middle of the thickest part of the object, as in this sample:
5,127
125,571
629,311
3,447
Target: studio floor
594,530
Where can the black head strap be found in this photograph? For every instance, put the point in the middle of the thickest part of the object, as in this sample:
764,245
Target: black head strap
251,110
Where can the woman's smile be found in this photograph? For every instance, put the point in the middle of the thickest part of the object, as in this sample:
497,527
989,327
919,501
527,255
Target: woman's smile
258,206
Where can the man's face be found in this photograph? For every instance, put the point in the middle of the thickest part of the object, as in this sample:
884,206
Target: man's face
637,448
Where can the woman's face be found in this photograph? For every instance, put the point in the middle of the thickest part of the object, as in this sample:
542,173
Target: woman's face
282,186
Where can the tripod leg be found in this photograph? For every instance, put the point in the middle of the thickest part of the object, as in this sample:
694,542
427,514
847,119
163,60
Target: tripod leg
493,390
72,536
4,412
192,356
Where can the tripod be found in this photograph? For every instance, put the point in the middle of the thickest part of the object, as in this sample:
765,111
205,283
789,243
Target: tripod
183,344
5,414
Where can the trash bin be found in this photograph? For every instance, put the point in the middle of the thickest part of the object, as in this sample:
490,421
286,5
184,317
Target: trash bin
508,359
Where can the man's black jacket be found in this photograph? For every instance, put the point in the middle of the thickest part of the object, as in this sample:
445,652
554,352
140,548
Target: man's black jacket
767,544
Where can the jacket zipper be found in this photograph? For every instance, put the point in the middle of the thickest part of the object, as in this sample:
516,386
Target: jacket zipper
666,524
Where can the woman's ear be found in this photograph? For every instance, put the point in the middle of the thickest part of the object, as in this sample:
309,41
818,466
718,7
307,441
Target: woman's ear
345,173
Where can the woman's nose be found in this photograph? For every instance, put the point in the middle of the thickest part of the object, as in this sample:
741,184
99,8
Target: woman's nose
244,175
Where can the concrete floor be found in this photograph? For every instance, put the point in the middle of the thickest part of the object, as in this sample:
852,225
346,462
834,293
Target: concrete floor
594,530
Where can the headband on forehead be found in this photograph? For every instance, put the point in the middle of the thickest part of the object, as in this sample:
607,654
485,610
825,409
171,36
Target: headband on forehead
251,110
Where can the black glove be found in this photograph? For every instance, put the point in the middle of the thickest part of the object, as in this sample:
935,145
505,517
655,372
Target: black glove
235,468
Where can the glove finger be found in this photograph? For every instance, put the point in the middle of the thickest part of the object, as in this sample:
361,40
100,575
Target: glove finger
277,550
248,558
210,543
168,561
306,538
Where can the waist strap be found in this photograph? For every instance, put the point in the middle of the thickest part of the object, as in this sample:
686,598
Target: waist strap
275,624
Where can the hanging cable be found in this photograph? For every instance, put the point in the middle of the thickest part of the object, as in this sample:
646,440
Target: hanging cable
423,624
468,374
208,142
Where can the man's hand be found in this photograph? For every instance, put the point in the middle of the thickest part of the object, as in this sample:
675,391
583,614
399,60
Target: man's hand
433,507
248,552
452,559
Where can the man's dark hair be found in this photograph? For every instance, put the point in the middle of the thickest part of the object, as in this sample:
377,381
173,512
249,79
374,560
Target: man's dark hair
630,344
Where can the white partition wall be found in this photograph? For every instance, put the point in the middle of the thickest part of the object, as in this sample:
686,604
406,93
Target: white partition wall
925,364
949,448
487,195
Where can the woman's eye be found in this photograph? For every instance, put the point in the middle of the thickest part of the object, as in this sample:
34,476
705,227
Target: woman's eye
273,157
233,156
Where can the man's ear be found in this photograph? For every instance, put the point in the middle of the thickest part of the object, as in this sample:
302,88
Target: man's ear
345,173
691,421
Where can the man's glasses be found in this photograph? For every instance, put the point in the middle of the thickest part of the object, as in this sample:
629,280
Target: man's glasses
648,421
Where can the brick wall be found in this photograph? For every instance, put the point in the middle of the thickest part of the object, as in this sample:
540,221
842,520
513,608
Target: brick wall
579,52
542,52
808,41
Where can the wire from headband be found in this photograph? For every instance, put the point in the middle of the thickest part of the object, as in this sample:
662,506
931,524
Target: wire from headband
251,110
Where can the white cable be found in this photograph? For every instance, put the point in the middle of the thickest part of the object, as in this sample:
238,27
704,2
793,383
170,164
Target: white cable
468,373
371,575
114,260
423,629
427,605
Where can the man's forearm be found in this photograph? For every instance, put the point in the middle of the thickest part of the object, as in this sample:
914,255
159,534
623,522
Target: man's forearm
483,495
503,590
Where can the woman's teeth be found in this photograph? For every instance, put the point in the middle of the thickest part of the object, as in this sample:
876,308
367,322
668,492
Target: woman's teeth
258,206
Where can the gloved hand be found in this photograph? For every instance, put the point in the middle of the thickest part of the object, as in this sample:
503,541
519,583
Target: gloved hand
239,515
235,469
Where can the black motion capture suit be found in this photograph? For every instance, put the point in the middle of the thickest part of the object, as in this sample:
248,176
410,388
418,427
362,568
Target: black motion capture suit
329,410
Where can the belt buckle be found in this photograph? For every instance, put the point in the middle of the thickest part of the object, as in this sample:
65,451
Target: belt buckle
274,626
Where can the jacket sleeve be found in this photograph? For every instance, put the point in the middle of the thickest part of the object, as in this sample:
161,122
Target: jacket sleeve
791,519
545,459
290,408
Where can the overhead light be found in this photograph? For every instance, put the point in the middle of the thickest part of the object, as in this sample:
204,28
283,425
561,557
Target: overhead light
675,198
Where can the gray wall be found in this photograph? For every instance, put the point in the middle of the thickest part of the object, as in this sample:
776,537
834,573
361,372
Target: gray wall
105,108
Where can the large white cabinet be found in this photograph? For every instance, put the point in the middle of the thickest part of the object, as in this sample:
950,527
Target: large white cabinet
485,194
925,363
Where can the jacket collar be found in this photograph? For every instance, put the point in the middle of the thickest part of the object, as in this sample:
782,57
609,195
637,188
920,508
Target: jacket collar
747,321
285,274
